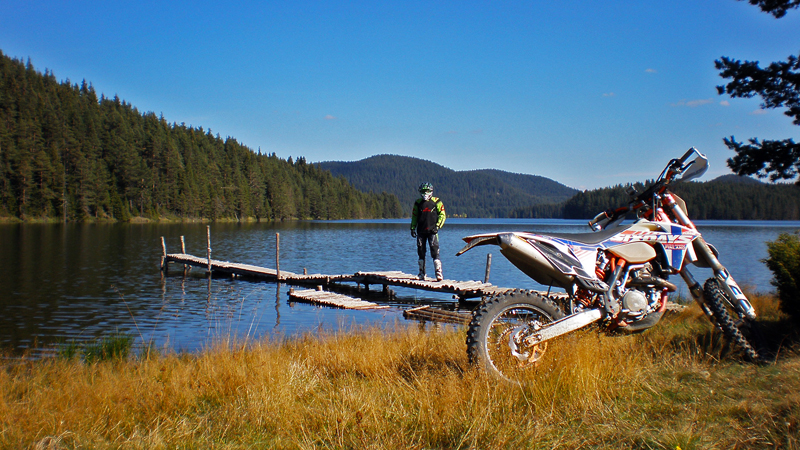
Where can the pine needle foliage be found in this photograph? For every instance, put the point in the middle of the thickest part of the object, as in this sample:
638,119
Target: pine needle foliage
67,155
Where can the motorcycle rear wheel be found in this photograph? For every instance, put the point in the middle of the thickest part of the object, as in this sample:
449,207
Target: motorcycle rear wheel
721,306
495,323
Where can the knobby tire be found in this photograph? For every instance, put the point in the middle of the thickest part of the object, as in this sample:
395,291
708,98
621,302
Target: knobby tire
717,299
490,313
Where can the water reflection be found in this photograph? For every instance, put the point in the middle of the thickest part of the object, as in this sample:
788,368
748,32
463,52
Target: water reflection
82,281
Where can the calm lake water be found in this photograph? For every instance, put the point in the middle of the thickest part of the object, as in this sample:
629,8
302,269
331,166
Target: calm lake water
60,283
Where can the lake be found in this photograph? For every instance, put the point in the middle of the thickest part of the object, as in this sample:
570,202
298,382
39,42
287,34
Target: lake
61,283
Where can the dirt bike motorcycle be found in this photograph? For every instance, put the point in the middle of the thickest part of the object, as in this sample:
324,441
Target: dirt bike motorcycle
617,276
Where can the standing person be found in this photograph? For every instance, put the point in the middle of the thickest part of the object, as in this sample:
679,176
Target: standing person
427,218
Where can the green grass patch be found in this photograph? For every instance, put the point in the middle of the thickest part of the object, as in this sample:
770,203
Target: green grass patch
115,346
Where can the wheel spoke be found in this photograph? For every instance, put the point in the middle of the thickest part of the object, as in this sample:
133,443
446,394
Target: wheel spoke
497,335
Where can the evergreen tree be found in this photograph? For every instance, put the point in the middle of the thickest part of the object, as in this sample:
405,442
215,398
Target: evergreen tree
67,154
778,85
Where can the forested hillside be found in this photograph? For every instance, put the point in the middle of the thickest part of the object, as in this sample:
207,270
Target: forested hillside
67,154
726,198
476,193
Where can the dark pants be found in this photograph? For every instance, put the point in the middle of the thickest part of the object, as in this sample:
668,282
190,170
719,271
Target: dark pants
432,240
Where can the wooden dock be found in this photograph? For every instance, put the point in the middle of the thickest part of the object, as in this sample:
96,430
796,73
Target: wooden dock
462,289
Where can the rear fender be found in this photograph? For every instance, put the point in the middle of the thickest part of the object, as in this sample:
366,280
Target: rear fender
478,240
533,262
544,260
524,255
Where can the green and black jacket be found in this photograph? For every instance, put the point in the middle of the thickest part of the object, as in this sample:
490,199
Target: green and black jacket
427,214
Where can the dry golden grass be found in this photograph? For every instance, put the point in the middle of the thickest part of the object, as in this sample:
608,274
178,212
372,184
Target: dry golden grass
671,387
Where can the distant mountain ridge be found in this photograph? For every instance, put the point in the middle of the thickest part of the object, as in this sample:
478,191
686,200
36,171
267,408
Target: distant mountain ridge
728,197
736,179
474,193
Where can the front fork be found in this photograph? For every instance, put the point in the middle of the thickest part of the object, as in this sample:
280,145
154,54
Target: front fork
726,281
697,292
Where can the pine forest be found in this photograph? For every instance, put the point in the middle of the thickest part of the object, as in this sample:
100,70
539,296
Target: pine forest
66,154
729,197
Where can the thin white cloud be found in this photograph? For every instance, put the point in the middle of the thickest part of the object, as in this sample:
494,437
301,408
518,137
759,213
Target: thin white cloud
725,103
651,71
330,117
609,94
758,112
694,103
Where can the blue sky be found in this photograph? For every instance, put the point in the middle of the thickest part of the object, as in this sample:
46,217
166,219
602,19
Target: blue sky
587,93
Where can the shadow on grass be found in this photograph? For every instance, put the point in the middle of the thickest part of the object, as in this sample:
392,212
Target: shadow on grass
778,339
414,365
773,339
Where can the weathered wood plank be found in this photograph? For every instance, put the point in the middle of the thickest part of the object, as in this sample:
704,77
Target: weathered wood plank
333,299
437,315
464,289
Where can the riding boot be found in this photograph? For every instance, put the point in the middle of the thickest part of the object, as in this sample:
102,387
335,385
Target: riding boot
437,264
421,275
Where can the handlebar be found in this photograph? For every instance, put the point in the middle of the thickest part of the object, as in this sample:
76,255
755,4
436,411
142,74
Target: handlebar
675,167
599,221
610,216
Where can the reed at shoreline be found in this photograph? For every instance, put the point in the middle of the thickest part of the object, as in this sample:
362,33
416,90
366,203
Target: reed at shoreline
673,386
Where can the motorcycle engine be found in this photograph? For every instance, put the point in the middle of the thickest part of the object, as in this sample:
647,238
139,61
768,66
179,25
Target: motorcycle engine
635,302
643,295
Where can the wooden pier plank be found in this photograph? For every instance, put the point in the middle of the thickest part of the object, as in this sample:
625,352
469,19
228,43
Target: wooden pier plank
437,315
464,289
333,299
395,278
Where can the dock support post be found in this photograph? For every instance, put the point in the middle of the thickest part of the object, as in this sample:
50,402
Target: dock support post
488,267
208,248
163,255
278,255
183,251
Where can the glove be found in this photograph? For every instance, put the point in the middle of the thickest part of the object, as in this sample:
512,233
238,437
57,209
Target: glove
435,229
413,233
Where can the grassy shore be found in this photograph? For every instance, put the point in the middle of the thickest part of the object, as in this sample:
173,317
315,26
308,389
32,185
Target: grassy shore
675,386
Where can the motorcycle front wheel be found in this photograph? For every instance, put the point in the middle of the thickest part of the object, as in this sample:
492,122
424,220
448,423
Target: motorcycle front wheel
495,338
740,331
